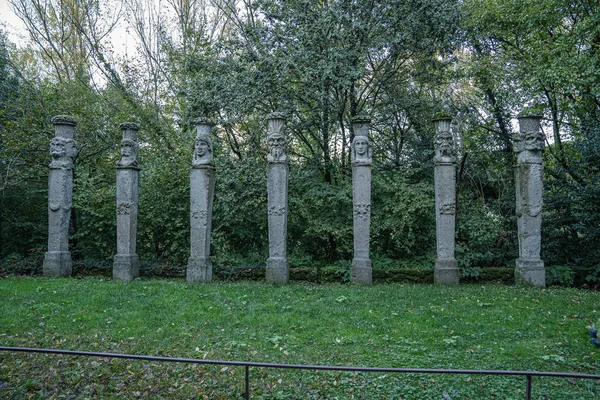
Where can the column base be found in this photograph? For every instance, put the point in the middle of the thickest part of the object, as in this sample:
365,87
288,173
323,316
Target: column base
530,272
361,272
278,270
126,267
57,264
199,269
446,273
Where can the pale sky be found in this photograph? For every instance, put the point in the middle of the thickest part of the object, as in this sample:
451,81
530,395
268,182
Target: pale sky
12,25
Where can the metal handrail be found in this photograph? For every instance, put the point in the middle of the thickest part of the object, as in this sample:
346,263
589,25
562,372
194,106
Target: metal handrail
247,364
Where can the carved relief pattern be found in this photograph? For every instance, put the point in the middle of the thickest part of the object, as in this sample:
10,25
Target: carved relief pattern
532,210
129,150
277,210
276,139
444,147
56,206
63,152
361,151
276,145
448,209
203,151
362,210
529,140
123,208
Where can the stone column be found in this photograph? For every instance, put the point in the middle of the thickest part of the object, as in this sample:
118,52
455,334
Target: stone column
202,190
446,267
529,146
361,160
126,265
63,149
278,271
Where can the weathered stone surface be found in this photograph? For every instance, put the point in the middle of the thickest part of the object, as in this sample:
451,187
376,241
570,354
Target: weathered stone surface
203,151
129,145
446,267
361,272
57,264
126,263
126,267
202,189
361,160
446,272
63,149
62,120
529,146
199,270
129,130
530,272
276,138
277,270
444,142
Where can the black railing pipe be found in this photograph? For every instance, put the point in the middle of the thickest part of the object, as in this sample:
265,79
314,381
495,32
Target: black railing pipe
247,364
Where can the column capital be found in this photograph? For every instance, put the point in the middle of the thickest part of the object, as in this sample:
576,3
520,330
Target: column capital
63,120
530,136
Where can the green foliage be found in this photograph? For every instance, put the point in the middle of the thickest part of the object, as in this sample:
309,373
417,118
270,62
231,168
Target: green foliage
571,218
402,215
559,275
320,219
239,227
16,264
344,271
164,207
481,240
323,64
476,327
94,199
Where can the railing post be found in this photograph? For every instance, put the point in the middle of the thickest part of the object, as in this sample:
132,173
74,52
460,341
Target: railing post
247,393
528,388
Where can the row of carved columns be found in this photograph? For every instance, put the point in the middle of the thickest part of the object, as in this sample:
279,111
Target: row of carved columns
528,144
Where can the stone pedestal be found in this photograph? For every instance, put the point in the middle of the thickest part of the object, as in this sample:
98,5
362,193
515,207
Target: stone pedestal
529,146
202,190
277,270
361,160
63,149
126,265
446,268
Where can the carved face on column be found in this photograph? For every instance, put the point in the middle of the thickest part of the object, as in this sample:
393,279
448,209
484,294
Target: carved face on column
444,147
63,151
361,150
202,151
530,141
128,153
533,141
276,145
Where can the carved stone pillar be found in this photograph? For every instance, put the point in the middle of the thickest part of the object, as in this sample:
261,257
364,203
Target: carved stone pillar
126,263
63,149
529,146
202,190
278,271
361,160
446,267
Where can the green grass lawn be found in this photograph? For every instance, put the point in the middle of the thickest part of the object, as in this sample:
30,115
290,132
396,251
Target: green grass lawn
409,326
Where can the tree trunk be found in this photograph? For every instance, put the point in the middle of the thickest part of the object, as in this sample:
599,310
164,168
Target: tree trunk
325,132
